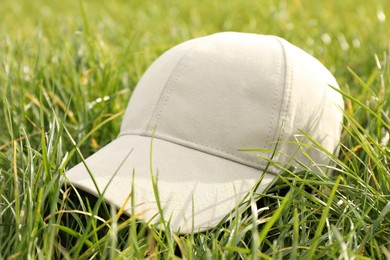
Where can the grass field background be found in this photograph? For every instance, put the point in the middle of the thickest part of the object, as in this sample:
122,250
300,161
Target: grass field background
67,70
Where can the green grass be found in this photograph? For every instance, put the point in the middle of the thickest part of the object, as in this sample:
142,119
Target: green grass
67,71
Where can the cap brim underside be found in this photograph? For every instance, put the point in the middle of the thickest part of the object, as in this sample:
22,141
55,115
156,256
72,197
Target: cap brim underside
196,190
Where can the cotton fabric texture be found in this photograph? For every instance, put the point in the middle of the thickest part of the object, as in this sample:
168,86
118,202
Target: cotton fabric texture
193,114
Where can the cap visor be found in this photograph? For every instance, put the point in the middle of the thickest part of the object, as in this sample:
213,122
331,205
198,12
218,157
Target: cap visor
196,190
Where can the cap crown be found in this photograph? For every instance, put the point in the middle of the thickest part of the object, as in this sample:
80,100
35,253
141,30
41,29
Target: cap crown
231,91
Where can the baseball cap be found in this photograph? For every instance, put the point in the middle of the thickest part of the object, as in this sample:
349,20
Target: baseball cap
196,115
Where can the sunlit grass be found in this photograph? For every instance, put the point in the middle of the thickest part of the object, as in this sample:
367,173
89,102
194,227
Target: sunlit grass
67,72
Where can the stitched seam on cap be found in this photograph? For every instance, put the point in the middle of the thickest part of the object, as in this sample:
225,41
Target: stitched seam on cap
270,138
291,80
180,67
191,52
164,90
255,163
235,158
288,71
202,148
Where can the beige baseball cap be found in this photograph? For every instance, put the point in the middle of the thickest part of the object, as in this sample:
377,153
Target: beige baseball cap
193,114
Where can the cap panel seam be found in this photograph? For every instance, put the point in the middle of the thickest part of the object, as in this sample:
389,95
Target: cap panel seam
270,138
171,83
197,146
180,68
286,97
212,148
228,155
164,90
183,66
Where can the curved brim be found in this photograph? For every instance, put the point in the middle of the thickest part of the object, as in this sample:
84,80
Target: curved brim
196,190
